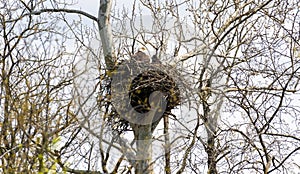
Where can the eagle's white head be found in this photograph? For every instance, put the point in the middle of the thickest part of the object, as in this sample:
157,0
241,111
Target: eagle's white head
142,49
141,55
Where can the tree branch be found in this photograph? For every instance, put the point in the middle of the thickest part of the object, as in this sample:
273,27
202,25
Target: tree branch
65,11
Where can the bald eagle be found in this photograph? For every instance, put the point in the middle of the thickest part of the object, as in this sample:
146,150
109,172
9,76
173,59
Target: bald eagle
141,56
155,60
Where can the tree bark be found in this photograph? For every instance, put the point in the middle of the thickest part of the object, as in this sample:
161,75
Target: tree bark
105,32
211,121
167,146
211,156
143,136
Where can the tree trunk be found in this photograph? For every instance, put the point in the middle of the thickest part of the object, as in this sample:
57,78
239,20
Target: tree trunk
143,136
211,156
105,32
211,120
167,146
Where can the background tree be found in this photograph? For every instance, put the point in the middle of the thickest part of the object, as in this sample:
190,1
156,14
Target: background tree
34,90
238,62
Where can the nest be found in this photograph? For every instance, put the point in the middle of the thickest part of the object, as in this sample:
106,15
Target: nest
149,81
141,88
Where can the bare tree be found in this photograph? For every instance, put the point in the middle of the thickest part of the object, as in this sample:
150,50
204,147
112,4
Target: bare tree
34,93
236,64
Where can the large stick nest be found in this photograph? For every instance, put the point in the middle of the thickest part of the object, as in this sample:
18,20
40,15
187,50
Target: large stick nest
149,81
140,90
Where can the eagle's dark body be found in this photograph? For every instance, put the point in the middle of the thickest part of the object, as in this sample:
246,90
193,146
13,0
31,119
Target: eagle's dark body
141,56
